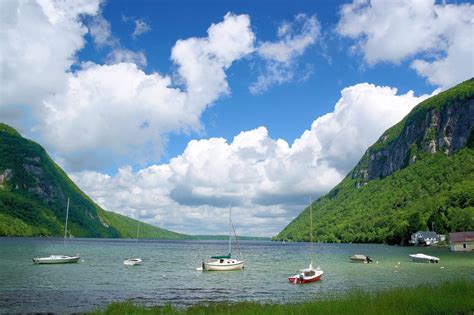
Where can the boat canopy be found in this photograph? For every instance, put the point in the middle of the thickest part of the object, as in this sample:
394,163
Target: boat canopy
221,257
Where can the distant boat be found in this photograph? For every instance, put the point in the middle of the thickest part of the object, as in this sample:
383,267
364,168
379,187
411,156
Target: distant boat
56,259
134,261
361,259
59,259
424,258
225,262
309,274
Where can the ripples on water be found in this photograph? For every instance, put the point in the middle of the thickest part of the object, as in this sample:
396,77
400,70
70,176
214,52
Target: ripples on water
168,272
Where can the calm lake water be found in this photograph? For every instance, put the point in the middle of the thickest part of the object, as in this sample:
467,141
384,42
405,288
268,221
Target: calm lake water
168,272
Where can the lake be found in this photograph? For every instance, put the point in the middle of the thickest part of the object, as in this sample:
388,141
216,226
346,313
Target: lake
168,272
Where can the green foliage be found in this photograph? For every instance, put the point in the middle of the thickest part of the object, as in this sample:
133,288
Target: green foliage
429,191
127,228
438,188
448,298
461,219
34,194
24,216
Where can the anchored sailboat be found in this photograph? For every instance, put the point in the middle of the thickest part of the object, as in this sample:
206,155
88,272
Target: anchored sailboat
225,262
309,274
59,259
134,261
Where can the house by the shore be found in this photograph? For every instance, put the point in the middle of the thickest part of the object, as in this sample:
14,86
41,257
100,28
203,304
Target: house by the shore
461,241
424,238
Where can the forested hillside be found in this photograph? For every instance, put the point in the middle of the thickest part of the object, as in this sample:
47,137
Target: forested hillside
419,175
34,192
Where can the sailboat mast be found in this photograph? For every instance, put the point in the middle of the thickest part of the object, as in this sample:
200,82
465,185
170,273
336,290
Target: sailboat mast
310,222
65,225
138,224
230,227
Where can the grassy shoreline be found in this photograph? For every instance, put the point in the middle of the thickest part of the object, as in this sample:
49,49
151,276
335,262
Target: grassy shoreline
447,298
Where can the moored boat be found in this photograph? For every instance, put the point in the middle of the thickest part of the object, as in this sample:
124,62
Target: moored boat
225,262
59,259
307,275
56,259
361,259
424,258
132,262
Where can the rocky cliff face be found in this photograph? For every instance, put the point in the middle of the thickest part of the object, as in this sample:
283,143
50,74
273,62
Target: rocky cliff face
419,174
426,130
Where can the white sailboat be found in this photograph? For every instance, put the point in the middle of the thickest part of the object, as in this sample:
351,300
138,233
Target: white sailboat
309,274
59,259
134,261
225,262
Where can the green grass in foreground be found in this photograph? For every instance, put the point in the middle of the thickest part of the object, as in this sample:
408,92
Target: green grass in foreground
448,298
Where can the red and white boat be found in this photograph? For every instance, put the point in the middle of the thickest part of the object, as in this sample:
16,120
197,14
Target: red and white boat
307,275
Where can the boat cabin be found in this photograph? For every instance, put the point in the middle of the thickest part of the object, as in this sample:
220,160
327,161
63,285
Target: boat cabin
461,241
309,273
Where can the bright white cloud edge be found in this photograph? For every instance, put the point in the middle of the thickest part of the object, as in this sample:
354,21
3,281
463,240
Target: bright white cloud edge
436,38
268,181
105,108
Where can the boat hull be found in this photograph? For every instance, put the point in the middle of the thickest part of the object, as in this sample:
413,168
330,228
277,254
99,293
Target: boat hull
56,259
360,259
223,265
302,278
132,262
424,258
297,280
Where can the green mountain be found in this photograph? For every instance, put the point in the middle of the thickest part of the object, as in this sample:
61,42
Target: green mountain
34,192
226,237
419,175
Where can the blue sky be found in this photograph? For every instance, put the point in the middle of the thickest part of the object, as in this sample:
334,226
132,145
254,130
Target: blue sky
286,110
180,108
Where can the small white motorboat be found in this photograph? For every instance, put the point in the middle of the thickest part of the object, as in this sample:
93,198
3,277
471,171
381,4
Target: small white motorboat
307,275
361,259
424,258
132,262
56,259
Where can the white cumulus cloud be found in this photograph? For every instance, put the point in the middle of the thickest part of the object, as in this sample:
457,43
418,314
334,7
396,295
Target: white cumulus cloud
203,61
267,180
439,37
38,44
280,57
96,114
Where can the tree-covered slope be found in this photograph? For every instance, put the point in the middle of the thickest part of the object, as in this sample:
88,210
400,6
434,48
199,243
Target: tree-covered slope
34,192
418,175
127,228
